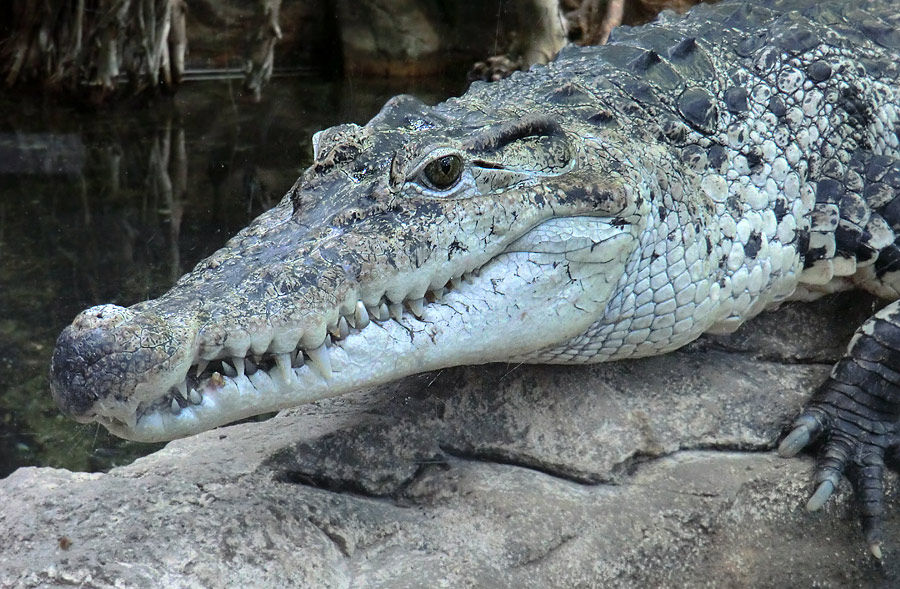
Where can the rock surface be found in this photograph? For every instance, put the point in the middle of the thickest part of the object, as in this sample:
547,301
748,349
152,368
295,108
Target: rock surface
649,473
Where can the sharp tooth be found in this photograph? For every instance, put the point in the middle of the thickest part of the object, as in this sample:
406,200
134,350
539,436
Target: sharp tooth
321,361
383,312
297,359
351,321
261,340
417,306
343,328
209,351
455,282
195,397
201,366
249,366
360,315
313,338
182,388
396,311
131,420
285,339
437,294
228,369
284,365
238,343
238,366
174,406
374,312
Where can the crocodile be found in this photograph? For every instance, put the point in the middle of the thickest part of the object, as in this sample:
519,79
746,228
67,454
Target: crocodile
616,203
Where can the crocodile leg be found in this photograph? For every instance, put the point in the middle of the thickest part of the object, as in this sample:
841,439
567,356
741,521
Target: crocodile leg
854,415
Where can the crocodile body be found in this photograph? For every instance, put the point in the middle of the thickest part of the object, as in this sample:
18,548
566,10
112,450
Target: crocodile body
616,203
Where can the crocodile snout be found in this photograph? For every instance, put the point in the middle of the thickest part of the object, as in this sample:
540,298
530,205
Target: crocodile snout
79,371
108,355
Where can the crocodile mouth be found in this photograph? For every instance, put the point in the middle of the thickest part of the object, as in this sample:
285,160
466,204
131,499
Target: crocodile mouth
245,386
545,287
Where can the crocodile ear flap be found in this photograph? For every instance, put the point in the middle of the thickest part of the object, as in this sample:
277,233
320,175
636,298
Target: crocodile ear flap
534,145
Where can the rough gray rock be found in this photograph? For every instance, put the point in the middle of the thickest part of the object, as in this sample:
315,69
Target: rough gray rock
648,473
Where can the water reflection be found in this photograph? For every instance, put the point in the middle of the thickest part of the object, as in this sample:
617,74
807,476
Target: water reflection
115,206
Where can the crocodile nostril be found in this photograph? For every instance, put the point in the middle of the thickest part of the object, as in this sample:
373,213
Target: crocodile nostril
105,316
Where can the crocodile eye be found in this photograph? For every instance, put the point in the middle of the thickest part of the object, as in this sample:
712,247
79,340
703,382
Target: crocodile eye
444,172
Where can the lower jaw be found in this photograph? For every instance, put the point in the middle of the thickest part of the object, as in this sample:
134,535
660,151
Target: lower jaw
225,399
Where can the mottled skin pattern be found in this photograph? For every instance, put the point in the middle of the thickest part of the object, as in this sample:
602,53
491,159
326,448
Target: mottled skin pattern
615,204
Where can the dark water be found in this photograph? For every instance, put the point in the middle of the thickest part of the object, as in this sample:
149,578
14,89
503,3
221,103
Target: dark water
113,207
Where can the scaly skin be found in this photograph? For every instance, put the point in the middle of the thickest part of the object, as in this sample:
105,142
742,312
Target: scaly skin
617,203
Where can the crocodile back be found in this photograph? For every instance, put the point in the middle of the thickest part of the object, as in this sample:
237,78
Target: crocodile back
773,130
830,75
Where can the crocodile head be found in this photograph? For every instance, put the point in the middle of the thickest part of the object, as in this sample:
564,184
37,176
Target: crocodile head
427,238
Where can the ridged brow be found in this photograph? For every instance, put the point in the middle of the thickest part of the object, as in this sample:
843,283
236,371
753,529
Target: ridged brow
497,136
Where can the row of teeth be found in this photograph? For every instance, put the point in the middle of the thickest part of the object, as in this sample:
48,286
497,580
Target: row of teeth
186,393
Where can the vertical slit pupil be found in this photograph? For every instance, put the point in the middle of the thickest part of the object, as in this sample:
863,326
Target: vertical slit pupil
444,172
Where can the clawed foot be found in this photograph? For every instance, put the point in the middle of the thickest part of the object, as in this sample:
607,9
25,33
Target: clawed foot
853,438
